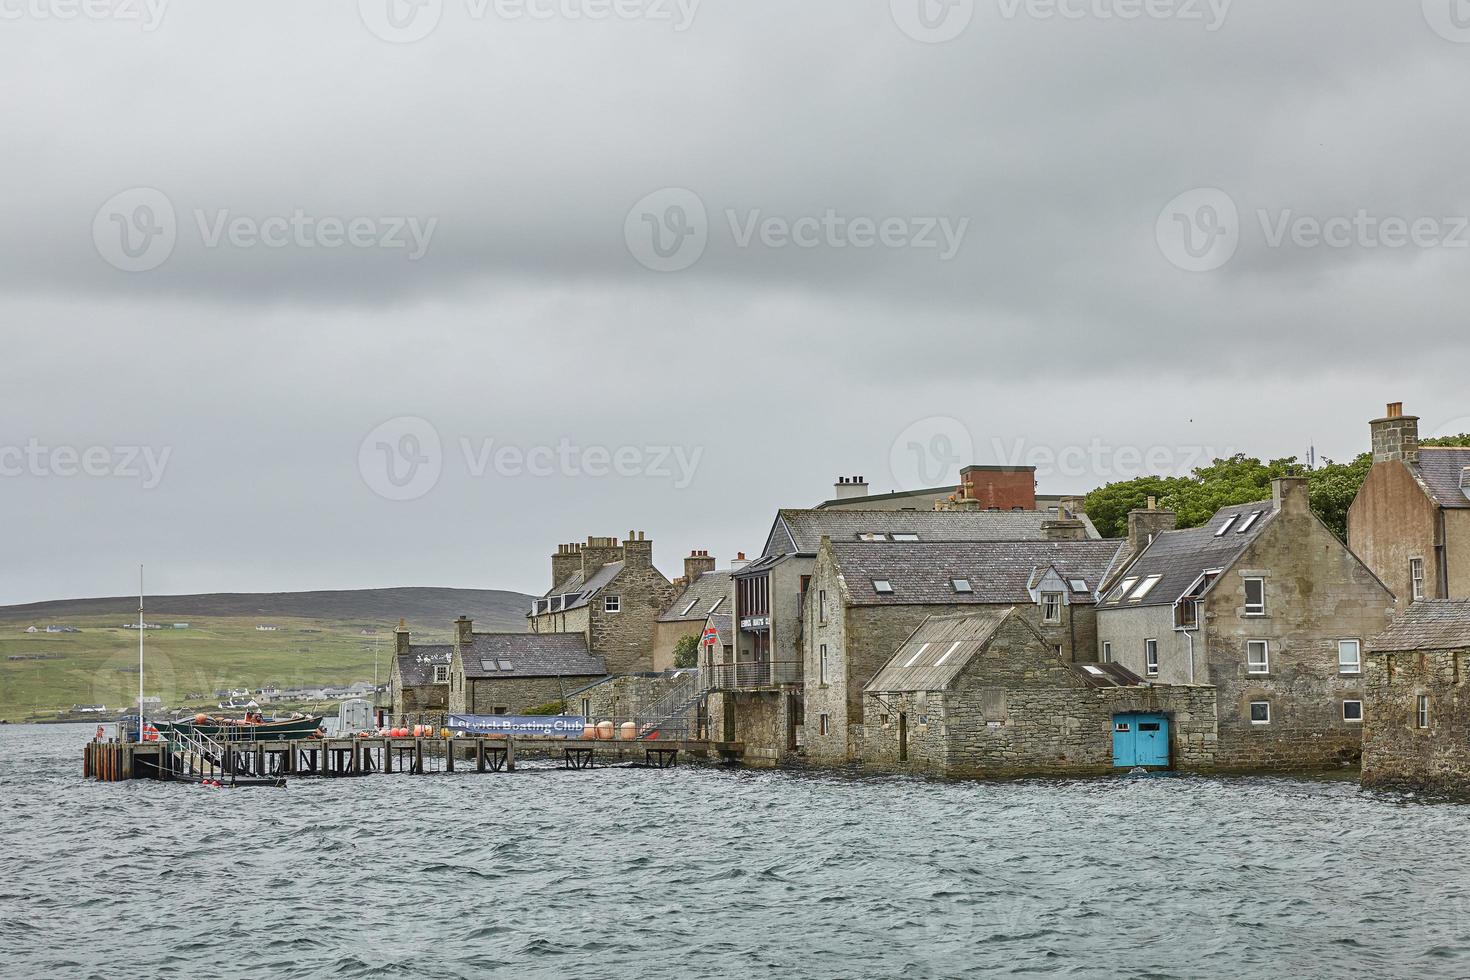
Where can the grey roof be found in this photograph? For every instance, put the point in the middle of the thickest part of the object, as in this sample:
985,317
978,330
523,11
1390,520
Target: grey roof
723,624
416,667
587,590
1429,624
802,530
1441,472
1181,557
939,649
998,571
1106,675
507,655
697,601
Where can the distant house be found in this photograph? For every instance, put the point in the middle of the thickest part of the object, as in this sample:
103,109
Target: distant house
1415,714
418,682
181,626
89,709
266,629
32,629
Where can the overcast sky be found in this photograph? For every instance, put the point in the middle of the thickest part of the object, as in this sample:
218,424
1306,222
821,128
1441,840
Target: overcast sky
340,294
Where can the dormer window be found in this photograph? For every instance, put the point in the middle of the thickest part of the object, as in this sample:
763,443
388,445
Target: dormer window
1051,607
882,586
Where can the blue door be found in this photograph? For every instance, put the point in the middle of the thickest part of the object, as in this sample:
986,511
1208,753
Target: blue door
1140,740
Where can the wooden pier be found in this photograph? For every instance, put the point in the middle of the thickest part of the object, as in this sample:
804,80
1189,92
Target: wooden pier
249,762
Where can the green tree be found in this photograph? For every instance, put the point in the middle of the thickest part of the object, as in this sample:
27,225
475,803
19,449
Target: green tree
686,652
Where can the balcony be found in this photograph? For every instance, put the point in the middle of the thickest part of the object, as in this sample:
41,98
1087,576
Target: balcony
754,675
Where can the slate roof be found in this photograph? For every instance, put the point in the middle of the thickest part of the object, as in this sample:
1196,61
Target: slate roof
416,667
509,655
1440,471
724,626
1180,557
801,531
588,590
998,571
1429,624
697,601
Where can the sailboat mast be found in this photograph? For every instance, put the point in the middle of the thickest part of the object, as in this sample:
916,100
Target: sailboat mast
140,653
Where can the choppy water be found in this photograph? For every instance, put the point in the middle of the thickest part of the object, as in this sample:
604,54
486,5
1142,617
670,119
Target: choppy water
698,872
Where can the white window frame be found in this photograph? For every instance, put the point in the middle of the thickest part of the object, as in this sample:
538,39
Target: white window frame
1051,607
1352,721
441,673
1107,651
1254,610
1250,712
822,664
1416,579
1249,522
1265,665
824,724
1122,589
1229,523
821,606
1422,716
1145,587
1151,658
612,603
1356,667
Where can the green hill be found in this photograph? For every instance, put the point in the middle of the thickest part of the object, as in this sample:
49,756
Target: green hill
320,638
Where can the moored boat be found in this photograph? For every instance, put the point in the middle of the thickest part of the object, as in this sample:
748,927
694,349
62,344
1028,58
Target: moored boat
236,729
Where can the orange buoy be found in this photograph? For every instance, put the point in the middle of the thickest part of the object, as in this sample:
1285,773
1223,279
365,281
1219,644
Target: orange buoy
200,718
628,731
588,731
604,730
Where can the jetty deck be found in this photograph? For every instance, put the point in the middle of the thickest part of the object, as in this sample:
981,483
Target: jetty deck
251,762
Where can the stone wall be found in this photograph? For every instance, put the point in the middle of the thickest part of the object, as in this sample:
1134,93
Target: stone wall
625,696
757,719
516,695
1317,593
625,638
1399,755
1018,710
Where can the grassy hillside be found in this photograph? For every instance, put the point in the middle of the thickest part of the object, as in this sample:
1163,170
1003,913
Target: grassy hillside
319,640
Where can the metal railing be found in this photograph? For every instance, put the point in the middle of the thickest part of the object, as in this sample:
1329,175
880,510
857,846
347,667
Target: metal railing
751,675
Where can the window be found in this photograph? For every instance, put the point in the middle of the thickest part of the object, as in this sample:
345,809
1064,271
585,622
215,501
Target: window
821,605
1107,653
1225,528
1122,589
1077,584
1151,657
961,585
905,537
1352,711
1421,715
1416,576
1260,712
824,724
441,673
1051,607
1186,614
1255,597
822,665
919,653
1349,657
872,536
1145,588
718,602
692,603
882,586
1246,524
1257,657
612,603
586,707
948,653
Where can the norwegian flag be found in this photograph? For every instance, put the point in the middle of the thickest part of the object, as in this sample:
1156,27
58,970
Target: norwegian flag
711,636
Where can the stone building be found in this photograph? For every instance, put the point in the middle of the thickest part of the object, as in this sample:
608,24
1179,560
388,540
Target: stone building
704,592
867,597
984,694
757,697
513,673
609,593
418,681
1416,709
1411,520
1264,603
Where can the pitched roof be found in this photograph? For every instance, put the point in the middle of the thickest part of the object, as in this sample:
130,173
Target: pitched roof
699,599
584,592
508,655
416,667
939,649
723,624
1440,471
1179,558
1429,624
998,571
802,530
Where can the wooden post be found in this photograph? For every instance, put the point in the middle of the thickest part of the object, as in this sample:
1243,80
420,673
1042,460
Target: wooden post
449,759
510,754
418,756
479,755
127,772
387,755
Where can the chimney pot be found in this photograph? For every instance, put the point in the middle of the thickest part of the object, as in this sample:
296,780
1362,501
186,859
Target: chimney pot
1395,410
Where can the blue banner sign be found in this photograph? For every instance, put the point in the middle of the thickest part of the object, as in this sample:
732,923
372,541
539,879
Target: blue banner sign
558,726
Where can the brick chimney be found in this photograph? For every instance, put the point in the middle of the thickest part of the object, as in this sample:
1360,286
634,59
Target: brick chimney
400,638
566,561
1148,523
696,565
999,487
1395,436
464,631
850,487
637,551
1290,494
598,552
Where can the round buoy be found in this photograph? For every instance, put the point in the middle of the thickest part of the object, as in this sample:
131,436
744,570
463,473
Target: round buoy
588,731
200,718
604,729
628,731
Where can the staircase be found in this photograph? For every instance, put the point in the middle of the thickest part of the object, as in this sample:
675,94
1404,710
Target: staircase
668,717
